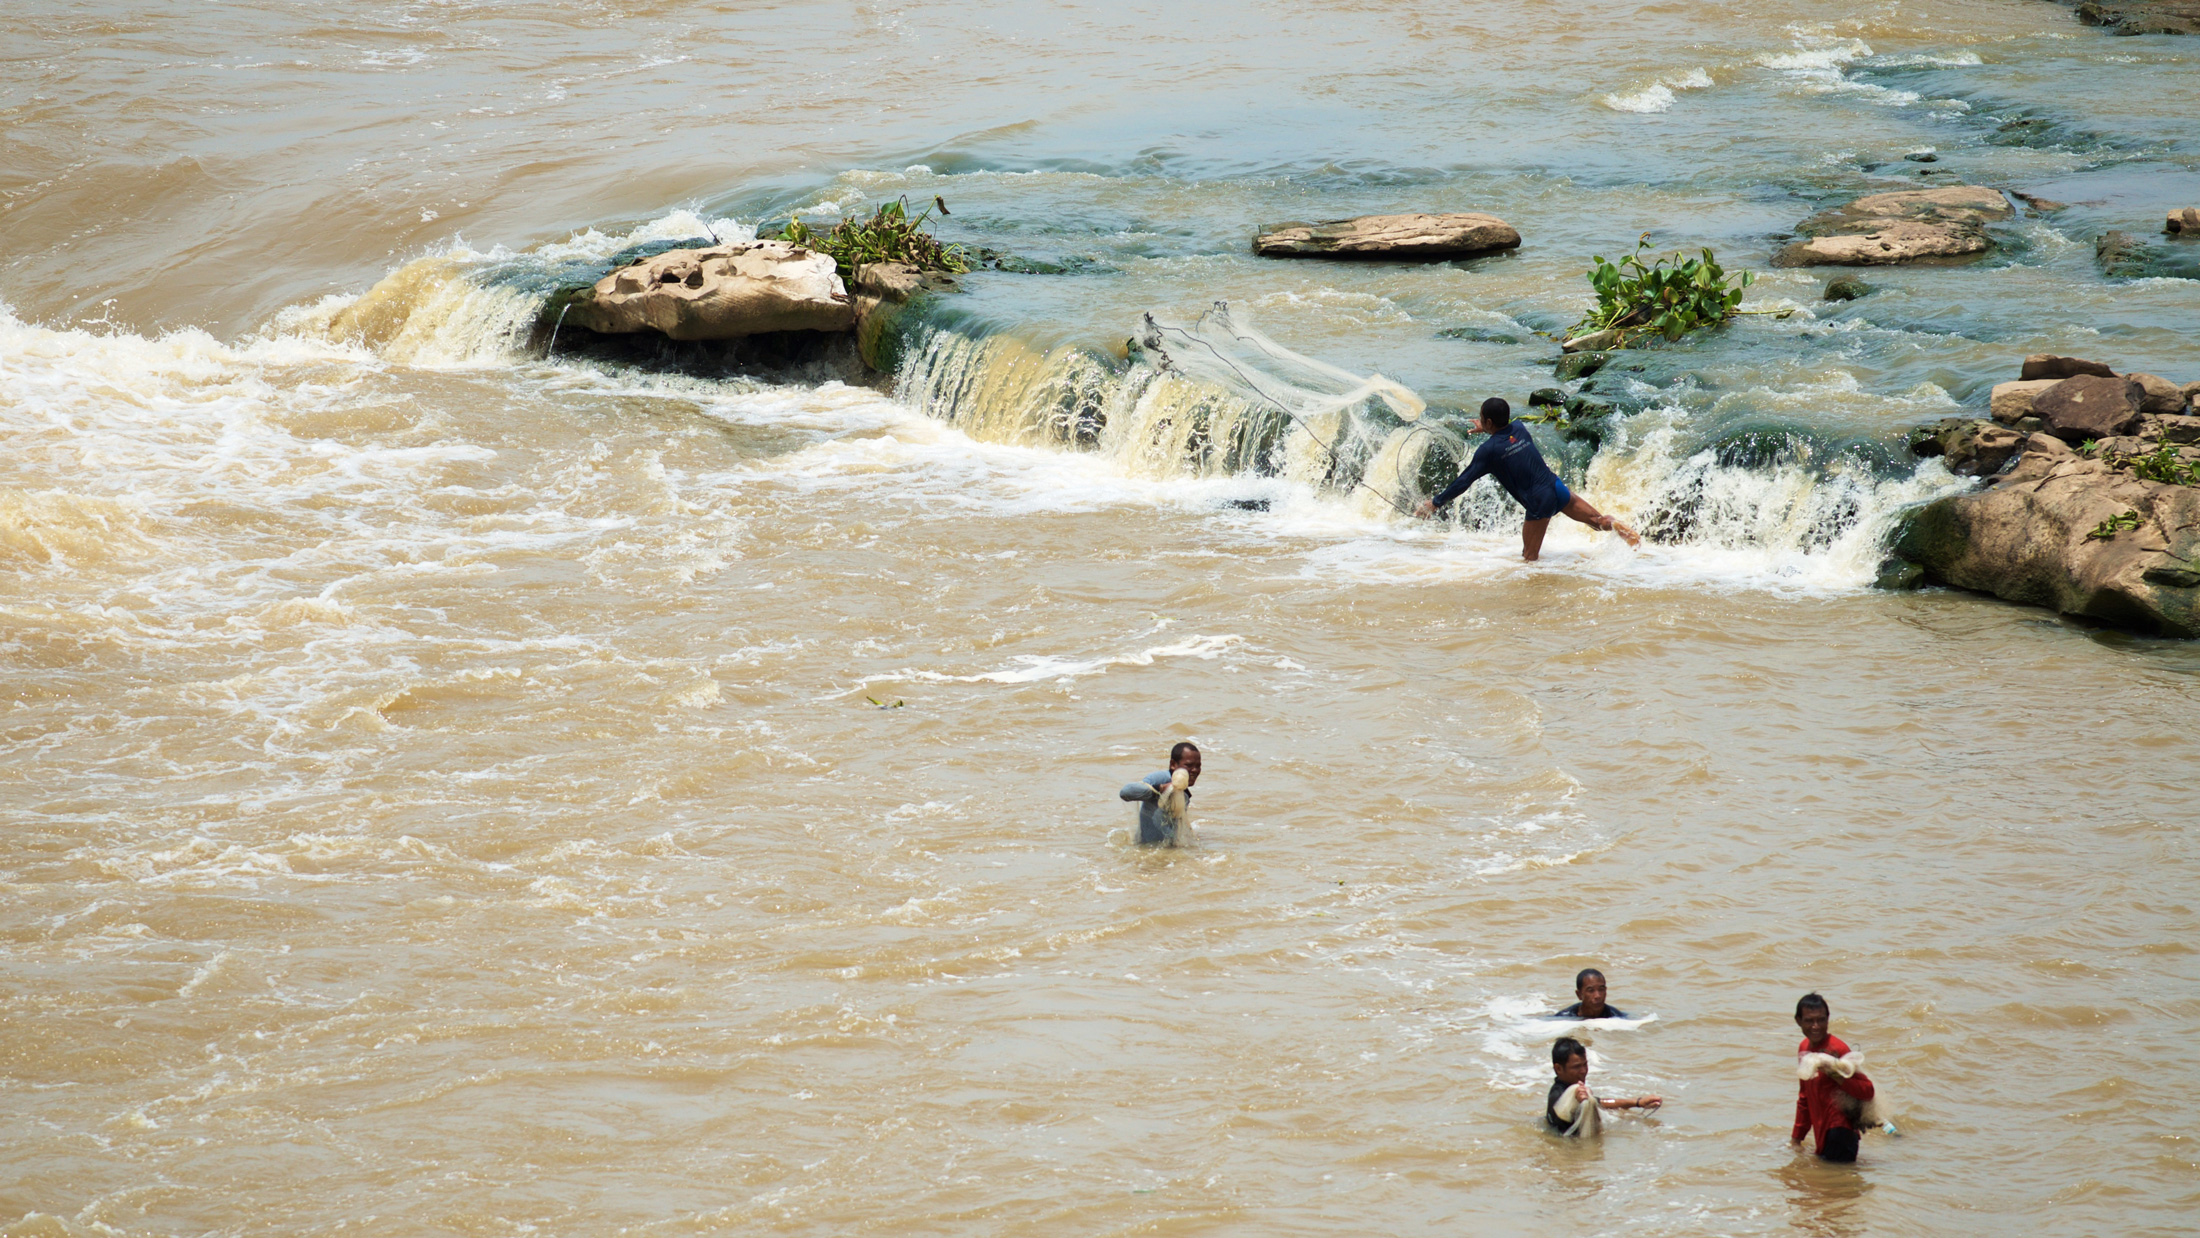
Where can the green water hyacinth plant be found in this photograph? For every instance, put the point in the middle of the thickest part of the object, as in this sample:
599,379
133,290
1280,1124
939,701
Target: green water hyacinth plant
1670,296
891,234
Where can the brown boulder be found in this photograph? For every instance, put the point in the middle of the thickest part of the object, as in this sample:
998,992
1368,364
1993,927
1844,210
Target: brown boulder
1885,228
1419,237
2160,394
2013,401
2177,430
2192,395
720,293
2088,407
1969,447
2047,365
2031,537
2185,221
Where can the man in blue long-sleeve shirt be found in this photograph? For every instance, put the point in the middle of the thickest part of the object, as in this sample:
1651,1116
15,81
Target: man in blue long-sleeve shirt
1154,827
1511,457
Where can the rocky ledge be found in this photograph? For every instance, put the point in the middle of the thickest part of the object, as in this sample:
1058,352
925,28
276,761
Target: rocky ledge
2142,16
2093,502
1411,238
1909,226
776,298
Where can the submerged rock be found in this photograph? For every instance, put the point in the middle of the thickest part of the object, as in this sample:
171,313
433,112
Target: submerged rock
1846,288
2111,532
2124,256
1477,335
720,293
1579,365
1419,237
1887,228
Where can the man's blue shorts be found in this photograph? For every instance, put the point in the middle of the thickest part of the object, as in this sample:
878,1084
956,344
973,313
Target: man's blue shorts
1550,502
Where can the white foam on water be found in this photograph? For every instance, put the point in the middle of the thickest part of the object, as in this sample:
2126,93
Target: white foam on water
1658,96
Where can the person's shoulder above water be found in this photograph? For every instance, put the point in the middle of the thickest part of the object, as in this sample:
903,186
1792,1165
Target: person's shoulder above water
1146,788
1574,1012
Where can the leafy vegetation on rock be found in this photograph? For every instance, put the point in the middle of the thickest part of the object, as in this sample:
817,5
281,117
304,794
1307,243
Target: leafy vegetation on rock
2164,464
890,234
1669,296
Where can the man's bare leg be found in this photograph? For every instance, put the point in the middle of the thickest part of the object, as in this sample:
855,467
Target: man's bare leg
1531,538
1579,509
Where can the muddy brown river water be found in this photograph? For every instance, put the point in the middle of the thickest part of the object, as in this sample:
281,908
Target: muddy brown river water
450,788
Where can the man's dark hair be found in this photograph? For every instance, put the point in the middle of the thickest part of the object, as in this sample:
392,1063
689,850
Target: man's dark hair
1811,1001
1566,1050
1497,412
1582,976
1182,746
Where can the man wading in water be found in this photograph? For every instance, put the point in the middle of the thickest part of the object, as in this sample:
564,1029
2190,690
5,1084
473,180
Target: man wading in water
1511,457
1155,827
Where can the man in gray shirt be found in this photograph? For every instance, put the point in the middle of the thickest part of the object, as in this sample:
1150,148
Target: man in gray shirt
1154,828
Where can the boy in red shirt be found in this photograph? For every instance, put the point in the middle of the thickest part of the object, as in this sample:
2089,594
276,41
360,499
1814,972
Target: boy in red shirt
1831,1098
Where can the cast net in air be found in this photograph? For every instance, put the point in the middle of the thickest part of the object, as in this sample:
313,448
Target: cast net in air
1347,429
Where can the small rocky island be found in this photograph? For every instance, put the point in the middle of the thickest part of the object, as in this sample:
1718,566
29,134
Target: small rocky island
1914,225
2093,502
1392,238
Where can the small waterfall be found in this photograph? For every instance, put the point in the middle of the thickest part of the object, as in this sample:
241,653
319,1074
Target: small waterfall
1157,423
1807,513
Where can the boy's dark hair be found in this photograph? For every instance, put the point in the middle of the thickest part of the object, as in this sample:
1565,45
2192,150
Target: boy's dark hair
1182,746
1497,412
1811,1001
1583,975
1566,1050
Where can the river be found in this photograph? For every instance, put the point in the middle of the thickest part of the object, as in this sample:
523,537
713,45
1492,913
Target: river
452,787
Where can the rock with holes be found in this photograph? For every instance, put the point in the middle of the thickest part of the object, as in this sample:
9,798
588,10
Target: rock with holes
2183,223
1418,238
720,293
1883,229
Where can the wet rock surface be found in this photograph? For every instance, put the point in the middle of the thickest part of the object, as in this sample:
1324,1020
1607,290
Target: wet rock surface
2142,16
1884,229
2121,255
1416,238
2102,525
721,293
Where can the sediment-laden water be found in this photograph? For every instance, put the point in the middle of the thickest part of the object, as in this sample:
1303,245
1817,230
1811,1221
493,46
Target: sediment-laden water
457,786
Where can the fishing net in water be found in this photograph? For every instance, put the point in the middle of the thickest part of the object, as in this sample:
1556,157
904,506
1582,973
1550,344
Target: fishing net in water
1217,348
1365,431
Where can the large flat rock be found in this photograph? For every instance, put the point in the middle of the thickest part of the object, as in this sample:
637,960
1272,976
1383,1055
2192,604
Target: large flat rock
1883,229
1418,238
720,293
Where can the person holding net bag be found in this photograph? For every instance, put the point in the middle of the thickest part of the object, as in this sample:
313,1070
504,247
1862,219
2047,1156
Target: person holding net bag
1513,459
